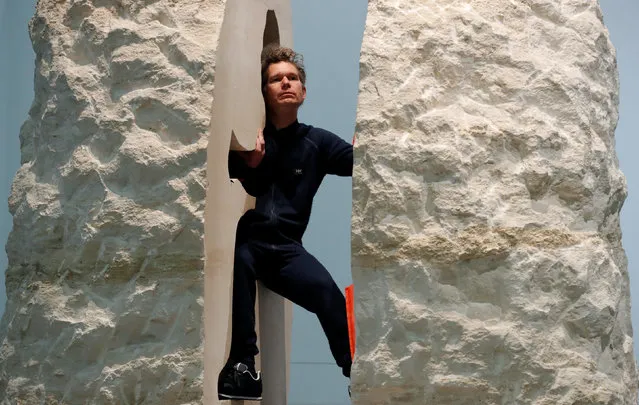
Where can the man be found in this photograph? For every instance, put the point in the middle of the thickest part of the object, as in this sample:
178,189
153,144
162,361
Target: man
283,172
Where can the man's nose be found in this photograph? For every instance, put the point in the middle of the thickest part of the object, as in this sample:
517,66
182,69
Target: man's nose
285,82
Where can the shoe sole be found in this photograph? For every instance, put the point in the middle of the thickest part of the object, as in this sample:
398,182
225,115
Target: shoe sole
224,396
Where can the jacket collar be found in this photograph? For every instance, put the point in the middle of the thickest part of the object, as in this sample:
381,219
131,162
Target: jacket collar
289,132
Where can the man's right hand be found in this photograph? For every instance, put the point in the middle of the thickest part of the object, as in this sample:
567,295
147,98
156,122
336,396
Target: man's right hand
253,158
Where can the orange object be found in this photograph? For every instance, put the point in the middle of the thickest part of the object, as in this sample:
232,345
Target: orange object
350,317
350,309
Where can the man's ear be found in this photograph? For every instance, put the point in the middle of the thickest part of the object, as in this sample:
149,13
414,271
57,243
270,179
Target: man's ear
303,93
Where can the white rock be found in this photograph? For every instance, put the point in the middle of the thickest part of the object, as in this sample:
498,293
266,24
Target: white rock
487,255
106,258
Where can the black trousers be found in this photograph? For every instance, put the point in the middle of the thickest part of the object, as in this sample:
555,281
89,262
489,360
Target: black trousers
290,271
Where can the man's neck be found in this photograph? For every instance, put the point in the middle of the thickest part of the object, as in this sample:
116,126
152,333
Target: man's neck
283,120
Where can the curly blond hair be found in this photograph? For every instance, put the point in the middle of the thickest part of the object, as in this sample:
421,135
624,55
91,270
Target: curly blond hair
275,54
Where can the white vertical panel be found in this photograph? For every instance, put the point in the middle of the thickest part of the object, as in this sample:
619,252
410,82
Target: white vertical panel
238,109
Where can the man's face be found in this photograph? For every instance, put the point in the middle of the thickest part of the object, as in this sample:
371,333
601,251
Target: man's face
284,90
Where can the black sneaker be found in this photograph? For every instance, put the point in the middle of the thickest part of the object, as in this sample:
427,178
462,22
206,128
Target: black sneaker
239,382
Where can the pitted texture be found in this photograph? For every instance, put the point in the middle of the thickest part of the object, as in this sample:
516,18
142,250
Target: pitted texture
105,277
487,255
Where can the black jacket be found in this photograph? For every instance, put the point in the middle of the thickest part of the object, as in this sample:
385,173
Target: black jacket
285,182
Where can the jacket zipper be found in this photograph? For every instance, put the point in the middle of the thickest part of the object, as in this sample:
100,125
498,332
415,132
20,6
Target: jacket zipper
273,218
273,202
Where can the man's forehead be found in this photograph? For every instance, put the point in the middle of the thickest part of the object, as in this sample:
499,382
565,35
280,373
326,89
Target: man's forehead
283,67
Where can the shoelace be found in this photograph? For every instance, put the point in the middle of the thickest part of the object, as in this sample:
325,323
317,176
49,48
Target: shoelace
238,372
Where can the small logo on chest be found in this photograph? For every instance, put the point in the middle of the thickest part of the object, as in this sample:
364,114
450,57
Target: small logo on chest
298,172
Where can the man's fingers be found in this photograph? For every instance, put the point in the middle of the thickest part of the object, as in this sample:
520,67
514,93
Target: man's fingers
260,141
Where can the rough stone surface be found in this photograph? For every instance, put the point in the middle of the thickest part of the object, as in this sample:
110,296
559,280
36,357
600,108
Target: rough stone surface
105,277
487,254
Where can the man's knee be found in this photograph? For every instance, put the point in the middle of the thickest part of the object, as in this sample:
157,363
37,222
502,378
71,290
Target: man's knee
326,297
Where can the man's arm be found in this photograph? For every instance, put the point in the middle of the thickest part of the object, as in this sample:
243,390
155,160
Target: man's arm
238,169
339,155
246,166
253,180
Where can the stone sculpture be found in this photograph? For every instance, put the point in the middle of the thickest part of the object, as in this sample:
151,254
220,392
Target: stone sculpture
487,256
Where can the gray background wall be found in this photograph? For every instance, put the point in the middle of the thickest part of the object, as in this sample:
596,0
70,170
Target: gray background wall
329,34
16,94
